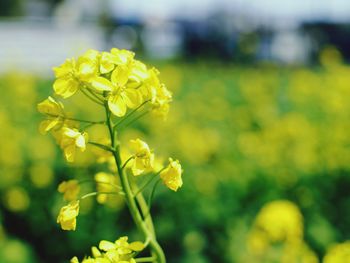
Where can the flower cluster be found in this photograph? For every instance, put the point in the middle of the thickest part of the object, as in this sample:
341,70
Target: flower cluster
63,128
120,251
118,83
125,81
280,224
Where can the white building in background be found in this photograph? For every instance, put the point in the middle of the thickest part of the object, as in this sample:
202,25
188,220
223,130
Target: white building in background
290,47
38,42
37,46
162,39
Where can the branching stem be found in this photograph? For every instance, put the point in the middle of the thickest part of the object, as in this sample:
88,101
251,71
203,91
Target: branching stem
157,251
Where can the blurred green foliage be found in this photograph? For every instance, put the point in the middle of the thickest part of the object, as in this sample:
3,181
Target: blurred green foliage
245,136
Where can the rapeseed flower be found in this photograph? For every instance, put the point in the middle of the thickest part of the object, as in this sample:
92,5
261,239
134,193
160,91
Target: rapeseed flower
67,216
171,175
73,74
104,183
71,139
115,57
53,111
70,189
120,251
339,253
280,221
143,157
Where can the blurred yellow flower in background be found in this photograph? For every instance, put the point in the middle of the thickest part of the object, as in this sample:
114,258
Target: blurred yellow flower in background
339,253
70,189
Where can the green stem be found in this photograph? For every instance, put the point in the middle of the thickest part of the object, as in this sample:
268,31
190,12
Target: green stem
101,193
134,210
145,212
127,161
102,146
136,118
150,198
91,97
95,95
148,259
145,185
75,119
131,113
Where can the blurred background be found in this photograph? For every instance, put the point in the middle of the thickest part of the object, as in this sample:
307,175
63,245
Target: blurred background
260,122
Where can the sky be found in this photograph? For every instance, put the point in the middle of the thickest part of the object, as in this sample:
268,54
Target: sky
331,10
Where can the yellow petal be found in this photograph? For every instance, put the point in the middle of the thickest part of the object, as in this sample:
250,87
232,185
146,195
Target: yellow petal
65,69
132,98
117,105
137,246
87,70
120,76
80,142
44,126
95,252
106,245
69,153
101,84
65,87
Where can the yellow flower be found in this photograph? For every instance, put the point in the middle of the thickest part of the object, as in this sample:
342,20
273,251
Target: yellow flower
280,221
72,74
339,253
88,65
121,246
139,75
160,100
171,175
70,189
69,140
143,157
95,252
54,112
119,251
67,216
104,183
115,57
66,83
121,96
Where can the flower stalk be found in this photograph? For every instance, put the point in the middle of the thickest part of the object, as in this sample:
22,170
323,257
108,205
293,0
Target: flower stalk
127,90
135,212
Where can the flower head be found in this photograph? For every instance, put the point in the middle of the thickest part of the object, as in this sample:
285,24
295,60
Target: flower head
120,251
67,216
73,73
71,139
280,220
115,58
171,175
53,111
160,101
70,189
143,157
